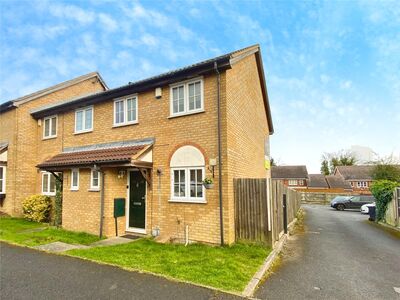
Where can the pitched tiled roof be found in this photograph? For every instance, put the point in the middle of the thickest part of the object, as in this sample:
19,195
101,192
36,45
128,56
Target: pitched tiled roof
356,172
289,172
122,154
337,182
317,181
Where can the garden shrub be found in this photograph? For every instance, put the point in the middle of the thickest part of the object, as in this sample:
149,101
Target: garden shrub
383,193
37,208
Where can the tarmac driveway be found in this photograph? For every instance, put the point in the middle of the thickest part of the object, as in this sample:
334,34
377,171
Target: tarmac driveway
31,274
340,255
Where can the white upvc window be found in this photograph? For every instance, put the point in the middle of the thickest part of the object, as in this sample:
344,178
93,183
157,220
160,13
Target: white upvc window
2,179
126,110
48,184
50,127
84,119
292,182
187,97
75,179
94,180
362,184
187,184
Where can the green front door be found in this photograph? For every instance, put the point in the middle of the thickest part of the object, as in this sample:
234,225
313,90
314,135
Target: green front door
137,200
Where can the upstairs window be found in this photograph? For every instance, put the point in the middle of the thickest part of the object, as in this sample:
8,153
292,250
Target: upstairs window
50,127
84,120
2,179
292,182
126,111
187,97
362,184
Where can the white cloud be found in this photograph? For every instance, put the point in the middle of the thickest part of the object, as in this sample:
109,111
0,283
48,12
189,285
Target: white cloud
73,12
108,23
345,85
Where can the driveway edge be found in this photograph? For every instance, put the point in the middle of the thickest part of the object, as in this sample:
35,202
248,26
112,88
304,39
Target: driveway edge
253,283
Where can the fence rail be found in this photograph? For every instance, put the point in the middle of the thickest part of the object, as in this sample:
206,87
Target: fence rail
252,209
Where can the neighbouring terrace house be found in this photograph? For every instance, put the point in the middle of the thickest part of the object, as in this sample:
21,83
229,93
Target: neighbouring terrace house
359,177
151,143
23,139
292,176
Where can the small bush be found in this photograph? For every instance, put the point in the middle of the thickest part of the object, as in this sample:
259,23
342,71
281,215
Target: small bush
37,208
383,193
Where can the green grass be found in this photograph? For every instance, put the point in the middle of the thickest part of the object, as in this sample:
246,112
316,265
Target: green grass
21,232
227,268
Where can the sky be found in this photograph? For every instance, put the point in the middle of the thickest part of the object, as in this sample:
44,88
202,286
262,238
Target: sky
332,67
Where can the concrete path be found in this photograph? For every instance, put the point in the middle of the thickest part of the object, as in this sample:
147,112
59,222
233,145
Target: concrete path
31,274
339,256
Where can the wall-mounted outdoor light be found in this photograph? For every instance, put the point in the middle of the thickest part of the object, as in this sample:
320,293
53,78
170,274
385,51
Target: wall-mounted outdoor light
121,174
211,165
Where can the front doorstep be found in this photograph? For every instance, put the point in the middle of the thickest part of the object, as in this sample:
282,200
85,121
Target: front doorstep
136,230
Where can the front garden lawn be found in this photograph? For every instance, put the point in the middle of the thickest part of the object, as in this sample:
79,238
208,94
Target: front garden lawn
227,268
27,233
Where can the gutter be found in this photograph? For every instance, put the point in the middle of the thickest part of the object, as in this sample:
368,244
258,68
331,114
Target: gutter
221,221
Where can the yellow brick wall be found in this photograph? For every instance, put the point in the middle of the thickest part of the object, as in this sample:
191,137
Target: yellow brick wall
247,126
28,149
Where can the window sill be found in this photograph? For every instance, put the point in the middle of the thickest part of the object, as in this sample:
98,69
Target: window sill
186,114
49,137
188,201
124,124
93,190
74,190
49,194
81,132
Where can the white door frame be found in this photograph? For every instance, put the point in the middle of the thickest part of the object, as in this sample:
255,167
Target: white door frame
134,229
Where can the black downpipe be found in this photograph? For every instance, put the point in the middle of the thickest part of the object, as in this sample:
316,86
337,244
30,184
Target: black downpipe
221,215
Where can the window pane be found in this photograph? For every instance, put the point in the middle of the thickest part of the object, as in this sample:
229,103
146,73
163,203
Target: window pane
131,103
119,112
191,96
178,99
74,178
1,179
181,99
46,127
182,183
79,121
88,118
52,184
45,183
193,182
54,126
198,94
95,179
176,183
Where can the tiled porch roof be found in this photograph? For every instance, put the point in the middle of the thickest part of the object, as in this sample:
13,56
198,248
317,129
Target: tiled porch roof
110,155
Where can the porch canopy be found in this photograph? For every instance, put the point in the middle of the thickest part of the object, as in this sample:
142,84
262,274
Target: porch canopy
119,154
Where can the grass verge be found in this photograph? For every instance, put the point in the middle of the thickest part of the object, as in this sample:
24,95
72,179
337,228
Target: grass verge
26,233
229,268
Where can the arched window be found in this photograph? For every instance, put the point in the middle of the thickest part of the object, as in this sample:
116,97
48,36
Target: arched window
187,174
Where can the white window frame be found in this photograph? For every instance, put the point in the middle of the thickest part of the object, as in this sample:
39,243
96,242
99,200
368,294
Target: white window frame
93,187
185,85
3,180
187,198
48,192
74,187
125,110
50,136
84,130
362,184
292,182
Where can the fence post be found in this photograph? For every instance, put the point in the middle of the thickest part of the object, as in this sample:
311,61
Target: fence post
284,214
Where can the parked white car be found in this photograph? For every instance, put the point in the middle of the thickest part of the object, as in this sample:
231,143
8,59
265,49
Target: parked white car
365,208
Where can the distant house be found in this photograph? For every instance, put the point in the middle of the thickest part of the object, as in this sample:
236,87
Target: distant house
359,177
292,176
337,182
317,181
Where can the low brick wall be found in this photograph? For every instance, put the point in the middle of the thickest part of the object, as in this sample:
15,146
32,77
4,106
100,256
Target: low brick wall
320,198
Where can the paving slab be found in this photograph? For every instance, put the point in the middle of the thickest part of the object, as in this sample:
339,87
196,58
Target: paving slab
60,247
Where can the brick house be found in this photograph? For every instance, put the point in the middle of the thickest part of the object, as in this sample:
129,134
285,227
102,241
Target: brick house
359,177
292,176
152,142
21,138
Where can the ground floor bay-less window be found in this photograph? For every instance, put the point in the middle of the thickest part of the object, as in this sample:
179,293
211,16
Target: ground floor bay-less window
48,184
187,175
